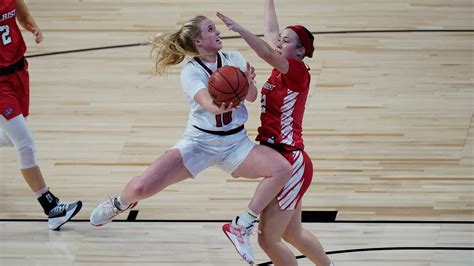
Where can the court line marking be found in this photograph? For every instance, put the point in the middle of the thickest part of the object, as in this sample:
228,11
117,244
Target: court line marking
225,221
259,35
378,249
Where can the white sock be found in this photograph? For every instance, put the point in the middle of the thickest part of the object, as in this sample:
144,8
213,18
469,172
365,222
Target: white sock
246,219
40,192
121,204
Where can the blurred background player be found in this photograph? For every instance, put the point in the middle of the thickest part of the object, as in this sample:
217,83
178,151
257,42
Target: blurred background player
14,107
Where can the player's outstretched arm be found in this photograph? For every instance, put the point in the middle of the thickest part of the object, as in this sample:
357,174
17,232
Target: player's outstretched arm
271,30
26,20
263,50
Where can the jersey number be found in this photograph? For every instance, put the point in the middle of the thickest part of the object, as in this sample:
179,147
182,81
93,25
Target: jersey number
263,102
5,31
223,119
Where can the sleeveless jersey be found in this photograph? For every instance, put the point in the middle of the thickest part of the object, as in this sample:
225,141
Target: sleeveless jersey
283,102
195,77
12,45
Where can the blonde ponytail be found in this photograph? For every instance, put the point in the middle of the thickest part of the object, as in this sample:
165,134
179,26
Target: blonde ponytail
172,48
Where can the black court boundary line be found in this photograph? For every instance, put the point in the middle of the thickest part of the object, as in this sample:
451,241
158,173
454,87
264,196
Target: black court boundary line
300,256
227,220
87,49
378,249
259,35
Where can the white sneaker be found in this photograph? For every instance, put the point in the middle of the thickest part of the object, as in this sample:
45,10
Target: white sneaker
239,236
62,213
106,211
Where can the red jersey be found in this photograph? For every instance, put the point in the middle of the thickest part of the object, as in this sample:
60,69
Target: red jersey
12,45
283,103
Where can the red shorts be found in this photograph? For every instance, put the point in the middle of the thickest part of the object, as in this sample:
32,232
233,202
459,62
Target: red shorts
15,94
301,178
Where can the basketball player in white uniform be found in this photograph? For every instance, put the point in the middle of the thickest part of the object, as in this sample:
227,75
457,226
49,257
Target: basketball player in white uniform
215,135
226,151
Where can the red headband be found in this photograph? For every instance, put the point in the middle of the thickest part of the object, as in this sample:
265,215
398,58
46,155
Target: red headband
304,38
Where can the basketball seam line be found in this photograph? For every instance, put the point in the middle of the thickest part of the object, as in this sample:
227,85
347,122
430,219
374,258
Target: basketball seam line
228,82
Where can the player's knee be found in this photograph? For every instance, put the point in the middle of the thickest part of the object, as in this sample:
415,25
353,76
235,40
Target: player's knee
26,154
289,237
294,236
283,172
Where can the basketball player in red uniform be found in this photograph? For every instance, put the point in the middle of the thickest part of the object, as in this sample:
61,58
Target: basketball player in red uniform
283,102
14,107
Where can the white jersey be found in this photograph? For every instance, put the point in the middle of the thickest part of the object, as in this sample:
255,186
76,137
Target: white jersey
194,77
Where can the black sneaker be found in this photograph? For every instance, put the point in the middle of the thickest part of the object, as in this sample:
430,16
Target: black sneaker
62,213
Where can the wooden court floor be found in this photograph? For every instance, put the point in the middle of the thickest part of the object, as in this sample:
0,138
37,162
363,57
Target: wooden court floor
388,125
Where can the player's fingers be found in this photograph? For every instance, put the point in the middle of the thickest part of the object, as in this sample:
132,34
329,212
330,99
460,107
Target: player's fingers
38,36
222,17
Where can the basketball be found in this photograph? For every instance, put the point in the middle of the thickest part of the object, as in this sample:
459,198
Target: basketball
228,84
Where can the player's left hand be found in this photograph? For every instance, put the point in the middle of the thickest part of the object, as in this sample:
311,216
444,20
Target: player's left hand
231,25
36,32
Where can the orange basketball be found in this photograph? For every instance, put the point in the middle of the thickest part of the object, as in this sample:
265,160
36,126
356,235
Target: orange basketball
228,84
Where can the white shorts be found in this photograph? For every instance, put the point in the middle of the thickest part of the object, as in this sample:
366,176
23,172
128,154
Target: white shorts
199,150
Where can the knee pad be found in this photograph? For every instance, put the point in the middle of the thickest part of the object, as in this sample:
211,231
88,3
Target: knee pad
26,154
16,131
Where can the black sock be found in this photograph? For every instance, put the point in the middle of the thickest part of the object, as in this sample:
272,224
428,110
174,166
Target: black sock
48,201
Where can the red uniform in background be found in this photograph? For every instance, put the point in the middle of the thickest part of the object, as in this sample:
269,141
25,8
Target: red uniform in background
14,78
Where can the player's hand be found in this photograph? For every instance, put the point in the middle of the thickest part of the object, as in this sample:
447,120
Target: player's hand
224,108
231,25
250,74
36,32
